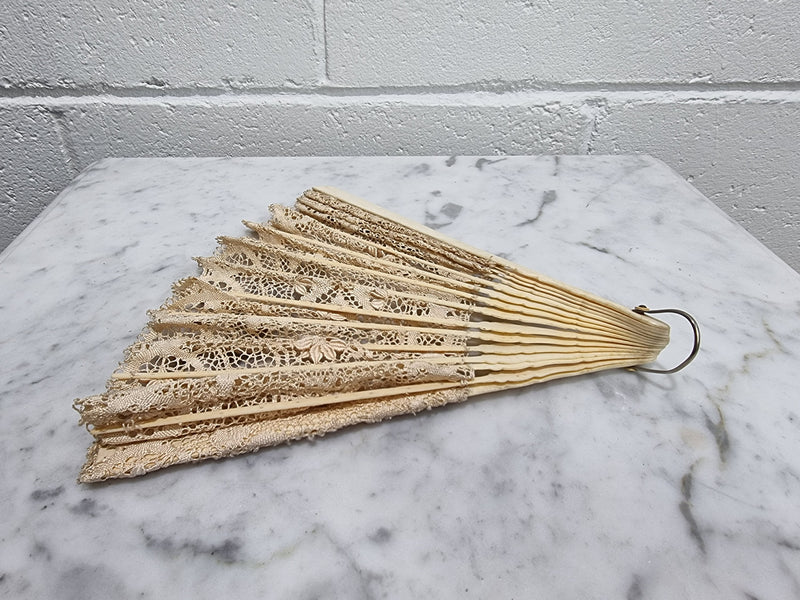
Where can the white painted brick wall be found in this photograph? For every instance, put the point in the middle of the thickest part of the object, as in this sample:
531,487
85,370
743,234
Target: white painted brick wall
709,87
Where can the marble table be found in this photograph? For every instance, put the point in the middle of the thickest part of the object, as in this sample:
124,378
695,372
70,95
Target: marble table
612,485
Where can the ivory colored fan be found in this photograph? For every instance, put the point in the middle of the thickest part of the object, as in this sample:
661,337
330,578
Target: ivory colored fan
339,312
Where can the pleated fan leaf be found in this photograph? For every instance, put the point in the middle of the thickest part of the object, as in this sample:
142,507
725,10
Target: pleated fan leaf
338,312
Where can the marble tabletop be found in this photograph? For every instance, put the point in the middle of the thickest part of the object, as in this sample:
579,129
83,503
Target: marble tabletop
611,485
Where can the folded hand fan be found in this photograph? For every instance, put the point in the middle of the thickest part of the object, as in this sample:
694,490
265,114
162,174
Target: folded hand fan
339,312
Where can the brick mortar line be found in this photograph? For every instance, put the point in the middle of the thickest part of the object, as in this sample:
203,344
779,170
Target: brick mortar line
597,111
71,158
461,99
325,59
327,89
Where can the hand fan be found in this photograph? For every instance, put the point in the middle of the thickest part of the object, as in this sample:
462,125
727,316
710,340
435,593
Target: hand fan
338,312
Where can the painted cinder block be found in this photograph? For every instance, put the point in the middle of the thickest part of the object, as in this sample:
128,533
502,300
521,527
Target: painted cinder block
159,45
319,127
494,44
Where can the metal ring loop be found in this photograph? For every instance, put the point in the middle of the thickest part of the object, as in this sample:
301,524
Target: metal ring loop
642,309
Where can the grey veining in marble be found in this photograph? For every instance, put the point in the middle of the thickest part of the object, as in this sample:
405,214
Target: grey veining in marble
613,485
